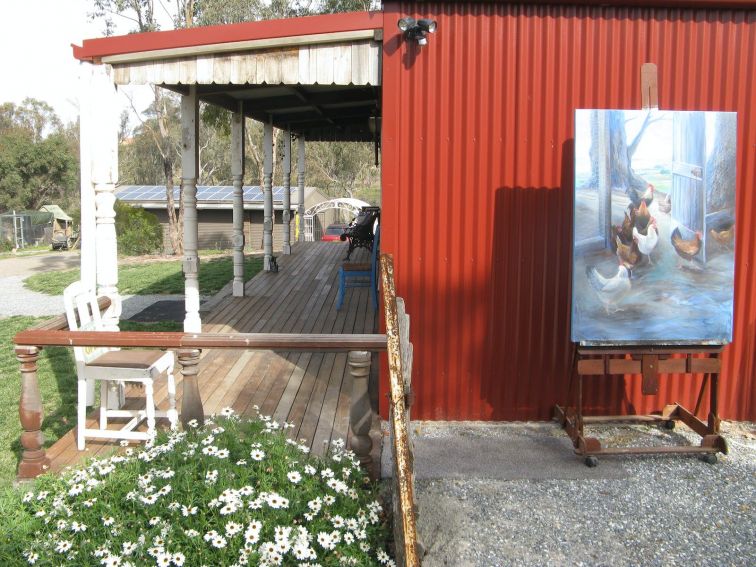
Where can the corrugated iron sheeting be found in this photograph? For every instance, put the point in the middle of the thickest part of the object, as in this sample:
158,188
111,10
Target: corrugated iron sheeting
477,189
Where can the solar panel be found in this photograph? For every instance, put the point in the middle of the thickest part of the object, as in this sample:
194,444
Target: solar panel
251,193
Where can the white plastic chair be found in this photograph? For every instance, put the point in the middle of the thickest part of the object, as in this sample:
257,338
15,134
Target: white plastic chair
111,365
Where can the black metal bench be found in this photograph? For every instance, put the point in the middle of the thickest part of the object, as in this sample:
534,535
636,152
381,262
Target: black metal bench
360,230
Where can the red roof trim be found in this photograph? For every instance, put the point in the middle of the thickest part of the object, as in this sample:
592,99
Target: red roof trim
134,43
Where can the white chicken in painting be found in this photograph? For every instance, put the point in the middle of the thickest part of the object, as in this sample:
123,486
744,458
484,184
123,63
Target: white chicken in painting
647,242
609,290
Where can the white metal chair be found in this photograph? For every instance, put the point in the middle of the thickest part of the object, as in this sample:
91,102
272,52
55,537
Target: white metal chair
113,366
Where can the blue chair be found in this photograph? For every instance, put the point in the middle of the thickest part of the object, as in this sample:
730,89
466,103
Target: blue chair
361,275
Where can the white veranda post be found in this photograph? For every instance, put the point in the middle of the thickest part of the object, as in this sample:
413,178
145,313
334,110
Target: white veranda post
98,138
301,184
287,194
268,196
189,172
237,173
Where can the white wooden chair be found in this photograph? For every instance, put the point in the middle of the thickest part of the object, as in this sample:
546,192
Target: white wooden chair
113,366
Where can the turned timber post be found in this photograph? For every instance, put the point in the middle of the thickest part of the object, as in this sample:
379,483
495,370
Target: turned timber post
191,401
301,185
33,459
237,173
287,194
361,411
189,173
268,196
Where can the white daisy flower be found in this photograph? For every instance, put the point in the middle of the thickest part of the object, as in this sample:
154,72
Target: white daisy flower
191,533
309,469
108,521
233,528
128,547
111,561
257,455
294,477
222,453
178,559
219,542
31,557
382,556
77,527
324,540
241,462
164,559
63,545
229,508
154,521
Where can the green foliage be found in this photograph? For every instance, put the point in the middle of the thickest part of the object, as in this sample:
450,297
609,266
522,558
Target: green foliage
139,231
38,157
234,491
56,374
153,277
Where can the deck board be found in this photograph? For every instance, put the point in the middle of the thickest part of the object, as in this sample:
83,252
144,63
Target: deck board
309,390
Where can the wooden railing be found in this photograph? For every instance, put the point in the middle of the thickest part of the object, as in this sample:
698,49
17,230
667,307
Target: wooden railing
55,332
408,550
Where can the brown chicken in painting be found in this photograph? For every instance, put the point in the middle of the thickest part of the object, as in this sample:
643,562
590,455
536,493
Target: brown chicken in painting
686,249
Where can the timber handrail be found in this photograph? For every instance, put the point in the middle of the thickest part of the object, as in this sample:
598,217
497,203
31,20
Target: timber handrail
262,341
399,363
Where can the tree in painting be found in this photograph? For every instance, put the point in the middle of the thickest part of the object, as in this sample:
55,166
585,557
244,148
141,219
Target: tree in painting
621,172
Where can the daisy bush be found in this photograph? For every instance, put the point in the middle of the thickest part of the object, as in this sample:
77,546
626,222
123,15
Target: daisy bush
233,492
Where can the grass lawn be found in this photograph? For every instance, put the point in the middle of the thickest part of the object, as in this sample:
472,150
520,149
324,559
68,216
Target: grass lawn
153,277
57,383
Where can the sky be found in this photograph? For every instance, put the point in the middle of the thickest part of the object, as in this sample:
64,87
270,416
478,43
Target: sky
37,59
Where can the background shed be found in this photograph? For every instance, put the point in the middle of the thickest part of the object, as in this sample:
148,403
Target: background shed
215,212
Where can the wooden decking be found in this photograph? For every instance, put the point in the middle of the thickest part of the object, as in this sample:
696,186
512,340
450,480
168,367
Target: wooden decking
309,390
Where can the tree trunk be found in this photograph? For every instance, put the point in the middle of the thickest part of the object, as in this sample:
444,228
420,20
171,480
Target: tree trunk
621,174
175,225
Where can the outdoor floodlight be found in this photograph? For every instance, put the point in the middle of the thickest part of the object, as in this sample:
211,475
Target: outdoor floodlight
427,25
406,23
417,29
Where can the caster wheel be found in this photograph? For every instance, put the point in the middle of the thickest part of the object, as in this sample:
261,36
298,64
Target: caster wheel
591,462
669,424
709,458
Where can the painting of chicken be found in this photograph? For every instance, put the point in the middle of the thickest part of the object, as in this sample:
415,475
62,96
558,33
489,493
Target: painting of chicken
654,227
686,249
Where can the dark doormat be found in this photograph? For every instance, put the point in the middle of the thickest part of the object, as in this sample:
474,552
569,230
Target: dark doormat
166,310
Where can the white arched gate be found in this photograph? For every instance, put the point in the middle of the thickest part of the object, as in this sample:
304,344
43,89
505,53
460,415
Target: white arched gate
348,204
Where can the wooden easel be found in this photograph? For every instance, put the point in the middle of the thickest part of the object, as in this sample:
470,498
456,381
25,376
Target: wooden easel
648,361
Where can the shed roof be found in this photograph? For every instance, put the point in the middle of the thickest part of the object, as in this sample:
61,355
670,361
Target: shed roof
95,49
56,211
208,196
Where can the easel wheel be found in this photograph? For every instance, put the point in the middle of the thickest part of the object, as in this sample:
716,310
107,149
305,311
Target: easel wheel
669,425
710,459
591,461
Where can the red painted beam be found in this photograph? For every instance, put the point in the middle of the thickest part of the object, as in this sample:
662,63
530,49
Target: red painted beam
93,49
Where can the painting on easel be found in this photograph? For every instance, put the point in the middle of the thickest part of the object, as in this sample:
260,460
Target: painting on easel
654,227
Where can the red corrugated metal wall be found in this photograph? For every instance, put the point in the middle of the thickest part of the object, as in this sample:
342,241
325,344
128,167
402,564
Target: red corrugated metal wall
477,189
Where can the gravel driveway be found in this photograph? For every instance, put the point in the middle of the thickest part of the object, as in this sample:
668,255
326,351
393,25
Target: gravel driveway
515,494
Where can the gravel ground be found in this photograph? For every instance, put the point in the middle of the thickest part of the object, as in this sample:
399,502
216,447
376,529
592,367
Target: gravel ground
17,300
643,510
